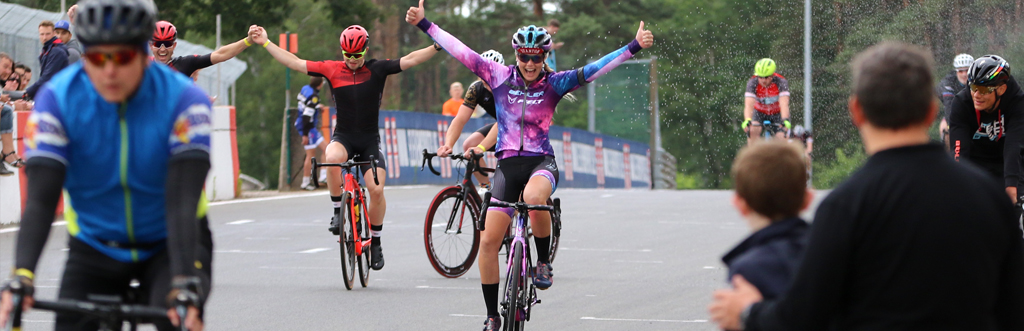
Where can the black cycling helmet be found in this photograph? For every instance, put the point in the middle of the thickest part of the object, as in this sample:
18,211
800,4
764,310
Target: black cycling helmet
119,22
988,70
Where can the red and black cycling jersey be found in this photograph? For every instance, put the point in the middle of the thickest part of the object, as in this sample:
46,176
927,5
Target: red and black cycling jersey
357,93
477,94
767,98
188,64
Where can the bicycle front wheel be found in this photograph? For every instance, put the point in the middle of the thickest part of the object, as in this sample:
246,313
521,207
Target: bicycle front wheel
556,232
346,241
364,232
449,232
514,285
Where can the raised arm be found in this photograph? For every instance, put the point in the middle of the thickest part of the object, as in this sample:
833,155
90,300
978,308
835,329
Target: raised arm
491,72
593,70
231,50
418,56
284,57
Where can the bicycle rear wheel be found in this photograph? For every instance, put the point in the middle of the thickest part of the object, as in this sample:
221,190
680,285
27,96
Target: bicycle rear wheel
514,285
449,232
364,232
348,252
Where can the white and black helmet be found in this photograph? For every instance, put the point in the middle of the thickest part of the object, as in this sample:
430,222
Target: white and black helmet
963,61
493,55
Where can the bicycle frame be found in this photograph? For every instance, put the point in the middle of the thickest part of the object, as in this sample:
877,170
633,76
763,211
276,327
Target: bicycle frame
357,204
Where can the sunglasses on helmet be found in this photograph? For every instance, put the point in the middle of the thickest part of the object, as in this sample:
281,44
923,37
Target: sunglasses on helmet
163,43
354,55
983,89
120,57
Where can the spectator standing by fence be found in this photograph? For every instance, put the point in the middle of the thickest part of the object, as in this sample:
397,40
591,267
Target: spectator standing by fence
52,59
553,26
63,30
451,107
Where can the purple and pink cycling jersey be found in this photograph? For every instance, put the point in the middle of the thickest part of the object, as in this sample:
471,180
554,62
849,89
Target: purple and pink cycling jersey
525,112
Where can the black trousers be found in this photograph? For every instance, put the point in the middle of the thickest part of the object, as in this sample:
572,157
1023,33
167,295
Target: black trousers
90,272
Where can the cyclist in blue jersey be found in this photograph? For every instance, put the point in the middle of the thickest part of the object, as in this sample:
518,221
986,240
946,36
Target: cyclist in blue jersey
129,140
308,124
525,98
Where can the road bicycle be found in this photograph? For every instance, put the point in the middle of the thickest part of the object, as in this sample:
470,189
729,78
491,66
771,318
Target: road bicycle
107,310
770,129
350,224
520,293
450,234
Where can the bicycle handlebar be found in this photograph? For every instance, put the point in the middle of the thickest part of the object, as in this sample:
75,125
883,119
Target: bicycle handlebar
347,164
103,310
428,160
520,207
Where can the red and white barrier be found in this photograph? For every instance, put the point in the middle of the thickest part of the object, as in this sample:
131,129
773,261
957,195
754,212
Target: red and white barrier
567,153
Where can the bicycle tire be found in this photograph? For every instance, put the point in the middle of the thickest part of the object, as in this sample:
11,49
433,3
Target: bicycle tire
556,232
348,254
465,249
513,286
364,232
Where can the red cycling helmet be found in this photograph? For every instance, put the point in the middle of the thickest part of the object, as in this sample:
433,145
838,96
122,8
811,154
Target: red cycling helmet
165,31
353,39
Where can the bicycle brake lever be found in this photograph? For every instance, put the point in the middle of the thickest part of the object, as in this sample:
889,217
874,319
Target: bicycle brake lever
483,210
373,163
316,170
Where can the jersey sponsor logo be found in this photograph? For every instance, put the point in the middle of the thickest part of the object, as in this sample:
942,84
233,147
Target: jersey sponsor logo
192,123
44,128
515,101
992,130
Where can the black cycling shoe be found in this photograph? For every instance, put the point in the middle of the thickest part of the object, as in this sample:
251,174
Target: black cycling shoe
334,226
493,323
376,257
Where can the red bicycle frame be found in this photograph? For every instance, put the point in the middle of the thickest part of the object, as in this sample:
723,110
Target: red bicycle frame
356,205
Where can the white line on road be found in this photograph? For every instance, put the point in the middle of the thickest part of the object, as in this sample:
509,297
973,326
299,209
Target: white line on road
266,238
625,261
465,315
446,288
641,320
298,268
604,249
15,229
240,222
315,250
304,195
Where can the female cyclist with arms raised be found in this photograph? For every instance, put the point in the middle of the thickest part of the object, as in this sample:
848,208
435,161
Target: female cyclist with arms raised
525,97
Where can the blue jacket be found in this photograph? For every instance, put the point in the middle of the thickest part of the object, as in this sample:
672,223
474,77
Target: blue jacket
770,257
53,59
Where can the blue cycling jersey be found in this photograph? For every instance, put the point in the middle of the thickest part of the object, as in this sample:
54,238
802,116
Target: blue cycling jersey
117,154
309,105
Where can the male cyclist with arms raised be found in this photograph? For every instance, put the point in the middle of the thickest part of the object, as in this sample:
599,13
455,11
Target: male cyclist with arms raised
129,140
766,99
165,40
479,94
357,85
525,98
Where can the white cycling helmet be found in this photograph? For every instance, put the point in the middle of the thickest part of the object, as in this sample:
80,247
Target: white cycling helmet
963,61
493,55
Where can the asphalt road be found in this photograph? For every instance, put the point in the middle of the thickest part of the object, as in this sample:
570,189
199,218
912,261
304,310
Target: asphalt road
629,260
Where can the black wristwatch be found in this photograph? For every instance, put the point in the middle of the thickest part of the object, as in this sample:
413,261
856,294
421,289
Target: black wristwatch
437,47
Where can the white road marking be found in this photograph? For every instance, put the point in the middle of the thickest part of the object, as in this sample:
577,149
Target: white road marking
708,267
641,320
315,250
446,288
300,268
15,229
266,238
465,315
625,261
240,222
604,249
304,195
607,195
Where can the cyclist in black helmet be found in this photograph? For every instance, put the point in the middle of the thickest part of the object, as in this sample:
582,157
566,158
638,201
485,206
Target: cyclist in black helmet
128,140
986,121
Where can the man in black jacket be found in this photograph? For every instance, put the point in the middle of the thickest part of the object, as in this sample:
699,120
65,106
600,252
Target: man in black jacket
987,121
911,241
53,58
